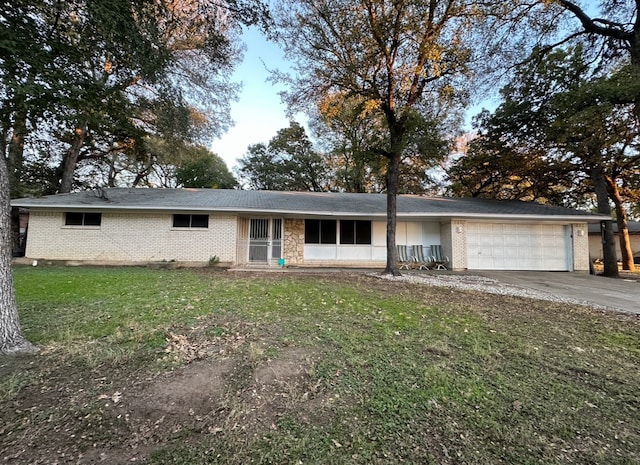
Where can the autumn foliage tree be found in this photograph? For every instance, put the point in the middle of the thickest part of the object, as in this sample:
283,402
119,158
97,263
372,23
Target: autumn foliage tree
397,57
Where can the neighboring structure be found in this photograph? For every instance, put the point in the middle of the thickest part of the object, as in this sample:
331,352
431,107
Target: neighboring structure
245,228
595,240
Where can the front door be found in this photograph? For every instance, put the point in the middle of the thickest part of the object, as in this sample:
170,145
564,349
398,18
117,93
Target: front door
265,240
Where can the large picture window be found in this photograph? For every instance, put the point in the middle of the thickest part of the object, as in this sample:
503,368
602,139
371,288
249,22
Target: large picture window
355,232
82,219
190,221
320,231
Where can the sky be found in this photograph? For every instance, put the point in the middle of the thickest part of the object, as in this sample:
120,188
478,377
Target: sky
259,113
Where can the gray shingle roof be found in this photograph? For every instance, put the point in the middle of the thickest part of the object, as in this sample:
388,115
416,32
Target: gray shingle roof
296,203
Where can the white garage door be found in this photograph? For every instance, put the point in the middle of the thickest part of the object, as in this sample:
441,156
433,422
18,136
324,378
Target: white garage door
498,246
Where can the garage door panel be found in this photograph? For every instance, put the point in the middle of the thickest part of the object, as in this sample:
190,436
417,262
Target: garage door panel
504,246
512,263
511,240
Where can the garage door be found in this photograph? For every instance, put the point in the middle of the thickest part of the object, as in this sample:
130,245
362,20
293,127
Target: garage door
498,246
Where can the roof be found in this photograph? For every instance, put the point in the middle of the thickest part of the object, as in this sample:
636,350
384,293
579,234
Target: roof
633,226
298,204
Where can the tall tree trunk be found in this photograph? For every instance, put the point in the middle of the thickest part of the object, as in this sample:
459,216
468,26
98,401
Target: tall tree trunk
70,158
623,227
392,197
11,339
606,227
396,136
634,51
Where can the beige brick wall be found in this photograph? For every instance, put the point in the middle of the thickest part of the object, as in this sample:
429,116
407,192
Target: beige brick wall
580,247
457,235
132,237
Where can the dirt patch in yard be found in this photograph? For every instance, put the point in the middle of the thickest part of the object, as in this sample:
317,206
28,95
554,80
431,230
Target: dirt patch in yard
98,421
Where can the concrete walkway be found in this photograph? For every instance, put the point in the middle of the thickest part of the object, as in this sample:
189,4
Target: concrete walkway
617,293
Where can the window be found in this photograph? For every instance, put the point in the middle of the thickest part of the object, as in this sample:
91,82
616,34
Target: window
82,219
355,232
190,221
320,231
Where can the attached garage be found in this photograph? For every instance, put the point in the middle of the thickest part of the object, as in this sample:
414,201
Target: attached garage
515,246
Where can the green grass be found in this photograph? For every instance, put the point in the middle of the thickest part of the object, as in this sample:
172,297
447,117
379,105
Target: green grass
389,372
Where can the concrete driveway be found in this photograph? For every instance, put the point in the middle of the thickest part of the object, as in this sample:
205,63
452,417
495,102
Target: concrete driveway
619,294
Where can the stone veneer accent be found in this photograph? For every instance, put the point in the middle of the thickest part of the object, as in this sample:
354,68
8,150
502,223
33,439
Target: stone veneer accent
131,237
580,235
293,241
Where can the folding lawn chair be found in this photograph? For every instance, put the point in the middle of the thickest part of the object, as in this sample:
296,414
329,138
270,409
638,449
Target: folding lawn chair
424,263
403,257
441,261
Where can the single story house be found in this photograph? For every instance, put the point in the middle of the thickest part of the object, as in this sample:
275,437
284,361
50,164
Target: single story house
595,240
269,228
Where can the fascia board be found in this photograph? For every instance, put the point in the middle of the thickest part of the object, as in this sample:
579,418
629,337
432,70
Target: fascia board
303,213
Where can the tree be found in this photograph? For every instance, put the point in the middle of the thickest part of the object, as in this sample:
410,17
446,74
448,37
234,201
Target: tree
201,168
497,167
100,76
615,35
391,54
12,340
557,136
82,64
613,31
287,163
351,133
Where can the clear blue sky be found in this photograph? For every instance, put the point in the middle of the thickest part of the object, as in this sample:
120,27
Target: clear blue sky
259,113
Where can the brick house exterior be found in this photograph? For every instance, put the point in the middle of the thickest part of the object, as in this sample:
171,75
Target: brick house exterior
266,228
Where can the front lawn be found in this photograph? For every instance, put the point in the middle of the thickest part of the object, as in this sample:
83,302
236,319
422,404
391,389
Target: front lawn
208,367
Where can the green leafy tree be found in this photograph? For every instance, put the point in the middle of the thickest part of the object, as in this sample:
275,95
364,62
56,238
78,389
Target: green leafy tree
496,165
201,168
558,138
614,33
349,132
99,76
287,163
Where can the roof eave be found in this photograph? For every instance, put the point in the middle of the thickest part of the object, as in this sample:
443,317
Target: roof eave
298,213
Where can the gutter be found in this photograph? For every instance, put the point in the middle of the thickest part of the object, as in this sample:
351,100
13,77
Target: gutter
586,218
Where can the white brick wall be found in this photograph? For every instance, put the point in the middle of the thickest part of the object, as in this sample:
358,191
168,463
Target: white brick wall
133,237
